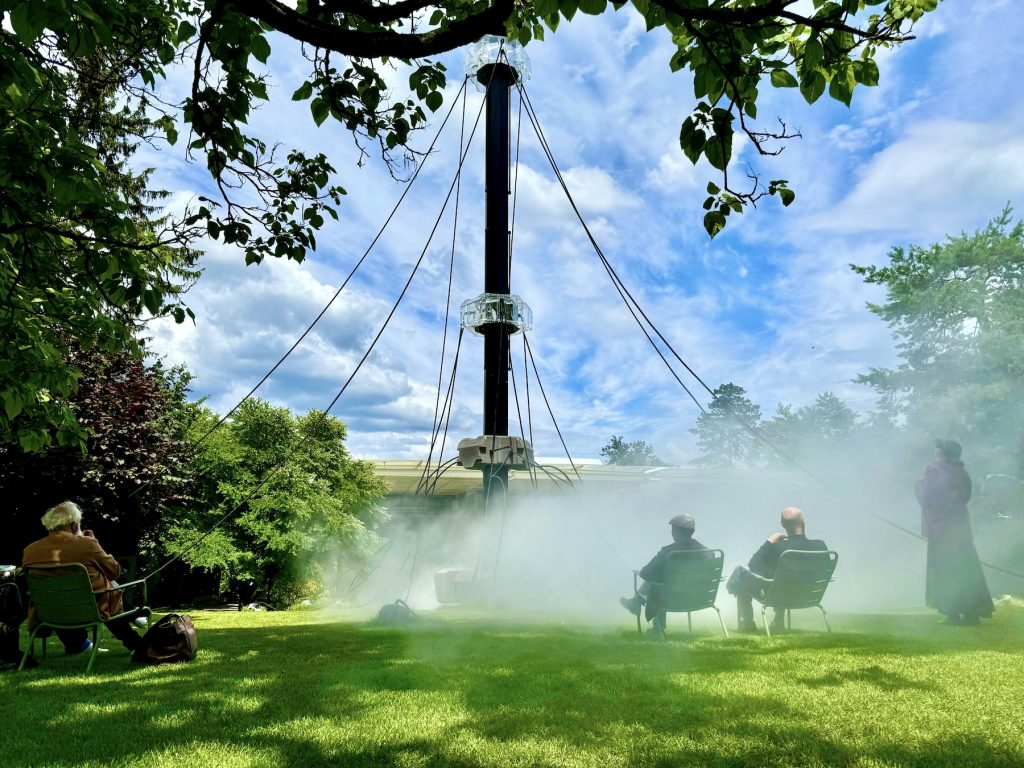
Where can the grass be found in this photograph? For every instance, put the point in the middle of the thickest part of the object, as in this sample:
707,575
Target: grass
310,689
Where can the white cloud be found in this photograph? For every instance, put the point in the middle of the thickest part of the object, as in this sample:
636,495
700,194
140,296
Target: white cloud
938,173
770,304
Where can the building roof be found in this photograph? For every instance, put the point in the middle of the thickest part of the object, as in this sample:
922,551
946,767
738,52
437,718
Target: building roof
404,476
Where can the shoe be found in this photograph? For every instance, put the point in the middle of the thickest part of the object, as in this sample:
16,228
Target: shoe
632,604
141,622
656,632
970,620
778,626
86,647
746,627
953,619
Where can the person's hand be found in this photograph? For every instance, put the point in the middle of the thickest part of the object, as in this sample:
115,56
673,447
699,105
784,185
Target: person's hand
88,532
776,537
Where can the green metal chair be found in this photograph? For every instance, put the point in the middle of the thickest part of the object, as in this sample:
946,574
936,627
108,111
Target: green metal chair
690,584
63,599
800,582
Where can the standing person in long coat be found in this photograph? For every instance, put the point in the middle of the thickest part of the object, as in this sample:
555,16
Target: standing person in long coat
954,585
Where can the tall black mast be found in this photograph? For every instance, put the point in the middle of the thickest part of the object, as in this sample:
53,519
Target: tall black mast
496,314
498,78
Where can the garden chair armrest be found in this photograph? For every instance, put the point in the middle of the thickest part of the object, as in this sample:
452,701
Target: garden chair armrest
119,587
125,586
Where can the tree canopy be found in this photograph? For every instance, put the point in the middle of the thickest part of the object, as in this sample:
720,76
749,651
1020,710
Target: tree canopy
956,310
133,470
733,48
82,257
293,495
84,254
634,453
725,430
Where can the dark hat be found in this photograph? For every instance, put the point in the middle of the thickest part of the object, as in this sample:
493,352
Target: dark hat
950,449
683,521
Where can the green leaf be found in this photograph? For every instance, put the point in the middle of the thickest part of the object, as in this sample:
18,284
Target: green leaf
545,8
12,404
320,109
714,222
866,72
787,196
718,149
185,32
28,21
813,86
842,85
781,78
692,140
303,92
593,7
812,56
152,298
434,100
260,48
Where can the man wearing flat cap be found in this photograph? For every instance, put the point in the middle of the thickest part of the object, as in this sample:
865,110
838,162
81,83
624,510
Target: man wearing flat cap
648,594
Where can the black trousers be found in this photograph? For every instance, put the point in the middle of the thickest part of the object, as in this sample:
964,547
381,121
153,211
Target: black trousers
74,639
746,585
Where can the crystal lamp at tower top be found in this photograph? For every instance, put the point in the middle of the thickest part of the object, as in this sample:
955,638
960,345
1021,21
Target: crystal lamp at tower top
489,49
496,308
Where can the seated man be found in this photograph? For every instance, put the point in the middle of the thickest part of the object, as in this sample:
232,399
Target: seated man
748,583
648,593
66,542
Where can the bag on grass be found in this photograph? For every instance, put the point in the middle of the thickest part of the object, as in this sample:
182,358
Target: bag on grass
171,639
397,613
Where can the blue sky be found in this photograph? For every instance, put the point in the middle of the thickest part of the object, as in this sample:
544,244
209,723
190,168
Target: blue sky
770,304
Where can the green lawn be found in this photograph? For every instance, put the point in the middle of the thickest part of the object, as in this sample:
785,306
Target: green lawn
310,689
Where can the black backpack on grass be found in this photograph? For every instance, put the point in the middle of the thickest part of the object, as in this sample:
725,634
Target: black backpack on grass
170,640
396,613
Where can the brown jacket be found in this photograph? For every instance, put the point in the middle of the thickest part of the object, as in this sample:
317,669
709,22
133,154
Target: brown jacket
65,547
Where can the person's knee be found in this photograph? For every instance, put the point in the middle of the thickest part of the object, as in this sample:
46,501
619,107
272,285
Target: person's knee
734,586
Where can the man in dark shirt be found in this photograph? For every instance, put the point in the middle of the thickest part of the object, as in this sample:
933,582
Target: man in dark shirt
648,593
752,581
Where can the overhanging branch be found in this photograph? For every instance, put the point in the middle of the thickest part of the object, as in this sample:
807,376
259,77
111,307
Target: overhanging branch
377,44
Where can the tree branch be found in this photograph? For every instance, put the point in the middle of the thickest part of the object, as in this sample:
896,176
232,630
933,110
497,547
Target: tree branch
377,14
374,45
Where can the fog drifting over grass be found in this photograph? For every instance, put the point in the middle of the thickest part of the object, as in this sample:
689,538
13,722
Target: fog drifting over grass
570,554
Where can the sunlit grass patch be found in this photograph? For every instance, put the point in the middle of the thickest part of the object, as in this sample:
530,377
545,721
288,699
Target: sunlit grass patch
309,688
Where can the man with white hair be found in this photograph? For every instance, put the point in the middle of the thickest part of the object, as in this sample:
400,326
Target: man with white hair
67,542
752,581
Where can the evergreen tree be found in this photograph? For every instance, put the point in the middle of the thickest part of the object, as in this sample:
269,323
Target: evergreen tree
631,454
724,430
956,310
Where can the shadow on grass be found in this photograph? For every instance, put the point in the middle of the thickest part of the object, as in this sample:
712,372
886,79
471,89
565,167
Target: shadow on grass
472,694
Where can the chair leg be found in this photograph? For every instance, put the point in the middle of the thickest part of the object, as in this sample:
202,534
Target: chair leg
31,649
721,621
764,620
636,585
825,617
789,619
95,648
689,622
